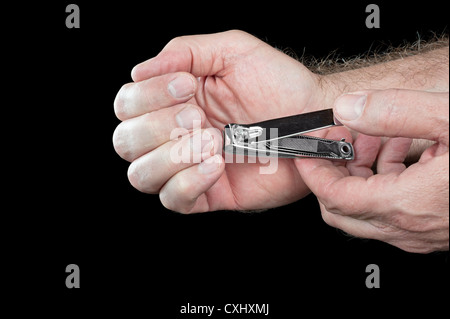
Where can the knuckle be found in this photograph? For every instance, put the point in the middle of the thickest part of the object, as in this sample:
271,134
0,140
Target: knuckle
441,111
400,221
121,142
332,207
331,198
177,41
346,207
150,122
329,219
134,176
139,179
166,200
118,141
153,127
390,116
238,33
183,186
120,102
177,195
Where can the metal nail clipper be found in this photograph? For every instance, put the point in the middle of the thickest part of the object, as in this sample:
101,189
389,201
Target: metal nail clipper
283,137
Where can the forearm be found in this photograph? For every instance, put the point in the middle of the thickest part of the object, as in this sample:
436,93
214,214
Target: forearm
428,71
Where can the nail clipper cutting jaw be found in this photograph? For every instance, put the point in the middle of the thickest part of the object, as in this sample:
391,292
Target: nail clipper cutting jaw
283,137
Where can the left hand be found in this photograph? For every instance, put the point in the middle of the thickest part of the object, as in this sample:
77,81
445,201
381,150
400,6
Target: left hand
241,79
406,207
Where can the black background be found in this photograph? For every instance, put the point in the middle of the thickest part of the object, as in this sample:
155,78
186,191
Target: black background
75,204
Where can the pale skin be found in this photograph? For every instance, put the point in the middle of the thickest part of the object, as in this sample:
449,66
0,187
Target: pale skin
406,207
233,77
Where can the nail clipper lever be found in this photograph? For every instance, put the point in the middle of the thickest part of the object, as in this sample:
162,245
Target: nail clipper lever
283,137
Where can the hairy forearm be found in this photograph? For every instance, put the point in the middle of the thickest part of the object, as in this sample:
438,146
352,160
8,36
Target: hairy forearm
428,71
425,71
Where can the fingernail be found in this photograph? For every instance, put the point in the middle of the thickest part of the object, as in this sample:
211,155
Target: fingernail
349,107
181,87
210,165
188,118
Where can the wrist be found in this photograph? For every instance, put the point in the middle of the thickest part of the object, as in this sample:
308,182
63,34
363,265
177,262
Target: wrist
325,93
332,86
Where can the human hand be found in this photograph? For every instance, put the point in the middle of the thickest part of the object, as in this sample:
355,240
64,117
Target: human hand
230,77
406,207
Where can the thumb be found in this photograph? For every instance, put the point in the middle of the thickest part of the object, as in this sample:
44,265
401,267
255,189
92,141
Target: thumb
200,55
396,113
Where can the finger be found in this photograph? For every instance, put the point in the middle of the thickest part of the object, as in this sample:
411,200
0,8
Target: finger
185,191
366,151
135,99
151,171
200,55
392,155
396,113
350,225
137,136
341,193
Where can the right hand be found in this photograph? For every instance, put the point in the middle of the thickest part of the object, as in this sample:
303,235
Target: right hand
229,77
404,206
